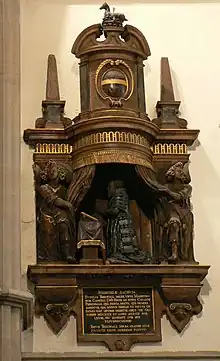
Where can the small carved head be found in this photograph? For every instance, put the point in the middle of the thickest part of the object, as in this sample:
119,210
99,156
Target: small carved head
113,185
52,170
178,171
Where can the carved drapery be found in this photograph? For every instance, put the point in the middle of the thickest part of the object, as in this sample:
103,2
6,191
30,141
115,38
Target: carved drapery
82,179
149,178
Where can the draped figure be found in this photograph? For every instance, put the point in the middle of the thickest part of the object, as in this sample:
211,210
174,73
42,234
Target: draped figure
55,216
121,237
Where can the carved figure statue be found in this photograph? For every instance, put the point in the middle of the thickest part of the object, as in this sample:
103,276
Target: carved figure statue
55,217
121,237
177,235
112,18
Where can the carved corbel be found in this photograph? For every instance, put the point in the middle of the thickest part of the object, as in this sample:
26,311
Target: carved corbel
56,304
181,303
180,313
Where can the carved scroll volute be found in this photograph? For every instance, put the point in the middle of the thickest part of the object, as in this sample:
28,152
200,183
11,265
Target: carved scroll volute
181,304
56,305
57,315
180,313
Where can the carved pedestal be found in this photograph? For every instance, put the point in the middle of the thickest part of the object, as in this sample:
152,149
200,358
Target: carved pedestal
92,251
117,304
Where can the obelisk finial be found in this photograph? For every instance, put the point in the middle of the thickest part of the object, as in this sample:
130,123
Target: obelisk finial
166,86
52,87
167,107
53,107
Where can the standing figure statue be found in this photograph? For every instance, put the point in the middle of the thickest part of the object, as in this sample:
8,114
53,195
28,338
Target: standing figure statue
177,228
55,218
121,237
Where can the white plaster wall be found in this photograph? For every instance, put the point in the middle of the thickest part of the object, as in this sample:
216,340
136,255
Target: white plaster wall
188,33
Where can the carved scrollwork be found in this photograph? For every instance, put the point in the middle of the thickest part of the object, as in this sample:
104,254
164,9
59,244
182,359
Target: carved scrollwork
57,315
56,305
180,313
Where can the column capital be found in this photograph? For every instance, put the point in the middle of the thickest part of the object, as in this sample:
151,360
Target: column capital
21,300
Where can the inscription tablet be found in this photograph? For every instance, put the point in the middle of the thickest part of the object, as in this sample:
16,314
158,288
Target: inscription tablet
118,311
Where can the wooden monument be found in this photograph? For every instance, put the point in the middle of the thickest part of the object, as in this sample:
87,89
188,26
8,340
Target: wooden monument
114,230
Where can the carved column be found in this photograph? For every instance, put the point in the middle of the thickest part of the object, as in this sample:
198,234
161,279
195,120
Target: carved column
13,302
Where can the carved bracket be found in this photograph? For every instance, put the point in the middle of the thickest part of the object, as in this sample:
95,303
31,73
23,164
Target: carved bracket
175,290
181,300
56,304
180,313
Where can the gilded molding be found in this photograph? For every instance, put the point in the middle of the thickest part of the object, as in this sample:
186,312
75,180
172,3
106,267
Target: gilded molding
172,148
111,137
51,148
90,242
111,156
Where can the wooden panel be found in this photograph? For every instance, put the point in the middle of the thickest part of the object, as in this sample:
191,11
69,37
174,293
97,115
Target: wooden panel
142,226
